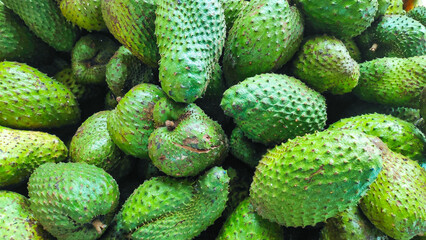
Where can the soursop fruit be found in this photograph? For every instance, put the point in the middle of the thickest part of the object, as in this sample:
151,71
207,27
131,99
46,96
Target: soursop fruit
86,14
244,149
419,14
81,91
312,178
232,9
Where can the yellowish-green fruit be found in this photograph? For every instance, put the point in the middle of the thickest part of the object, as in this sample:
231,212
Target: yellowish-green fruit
86,14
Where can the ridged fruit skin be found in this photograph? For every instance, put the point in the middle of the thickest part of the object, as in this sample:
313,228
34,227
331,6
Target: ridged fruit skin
17,42
245,223
131,133
167,208
189,142
190,37
132,24
312,178
67,198
351,224
400,136
124,71
45,19
90,56
92,144
353,49
395,36
232,9
396,202
16,219
86,14
21,152
343,19
271,108
392,81
419,14
244,149
324,63
31,99
264,37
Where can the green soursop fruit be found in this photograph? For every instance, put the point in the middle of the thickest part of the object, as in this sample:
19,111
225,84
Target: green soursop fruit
419,14
31,99
81,92
17,42
395,7
383,6
16,219
400,136
232,9
45,19
393,36
396,202
90,56
265,36
166,208
351,224
271,108
131,133
132,24
353,49
343,19
392,81
86,14
324,63
92,144
188,141
124,71
244,149
190,37
315,177
21,152
245,223
73,200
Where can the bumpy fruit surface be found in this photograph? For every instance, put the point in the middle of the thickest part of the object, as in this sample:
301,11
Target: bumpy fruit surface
86,14
31,99
324,63
419,14
392,81
396,202
80,91
232,9
315,177
264,37
190,37
271,108
73,200
244,149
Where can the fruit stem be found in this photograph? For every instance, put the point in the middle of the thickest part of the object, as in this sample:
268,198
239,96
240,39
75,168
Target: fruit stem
98,225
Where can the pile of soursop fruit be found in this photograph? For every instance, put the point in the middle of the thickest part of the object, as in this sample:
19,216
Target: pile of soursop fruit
212,119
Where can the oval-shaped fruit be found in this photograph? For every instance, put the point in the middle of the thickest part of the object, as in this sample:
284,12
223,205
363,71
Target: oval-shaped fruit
315,177
271,108
86,14
21,152
73,200
31,99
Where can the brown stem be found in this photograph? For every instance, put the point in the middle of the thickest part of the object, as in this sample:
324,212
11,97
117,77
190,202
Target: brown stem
374,47
170,125
98,225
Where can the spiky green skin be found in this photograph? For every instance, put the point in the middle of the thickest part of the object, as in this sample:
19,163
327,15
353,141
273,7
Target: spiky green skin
166,208
92,144
244,149
85,14
400,136
271,108
419,14
194,143
232,9
245,223
31,99
263,38
392,81
314,177
383,6
351,224
16,219
45,19
395,7
67,197
190,37
396,202
344,19
132,24
90,56
324,63
353,49
124,71
239,185
80,91
395,36
21,152
131,133
18,43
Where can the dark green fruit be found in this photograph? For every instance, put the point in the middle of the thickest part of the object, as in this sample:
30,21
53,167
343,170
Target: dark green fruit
419,14
244,149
